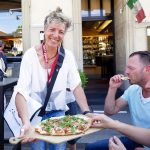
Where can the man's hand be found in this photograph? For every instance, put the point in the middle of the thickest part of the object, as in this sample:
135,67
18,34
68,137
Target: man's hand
116,144
116,81
102,121
90,115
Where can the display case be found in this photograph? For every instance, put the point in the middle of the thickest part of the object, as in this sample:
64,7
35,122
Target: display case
94,46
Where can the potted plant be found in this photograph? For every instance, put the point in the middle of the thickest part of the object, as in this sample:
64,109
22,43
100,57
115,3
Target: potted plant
84,79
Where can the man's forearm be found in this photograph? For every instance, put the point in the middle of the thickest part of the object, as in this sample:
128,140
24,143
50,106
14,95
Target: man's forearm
140,135
109,107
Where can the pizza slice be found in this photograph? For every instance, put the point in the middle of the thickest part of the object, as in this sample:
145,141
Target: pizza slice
124,78
66,125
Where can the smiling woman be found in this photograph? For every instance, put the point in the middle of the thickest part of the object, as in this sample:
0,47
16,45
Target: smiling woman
38,67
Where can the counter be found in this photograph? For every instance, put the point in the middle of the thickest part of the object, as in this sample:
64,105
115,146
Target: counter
14,58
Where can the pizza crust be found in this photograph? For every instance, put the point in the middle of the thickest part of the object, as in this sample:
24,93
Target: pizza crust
76,127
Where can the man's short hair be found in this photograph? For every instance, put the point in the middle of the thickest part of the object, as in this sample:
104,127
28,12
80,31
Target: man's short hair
143,55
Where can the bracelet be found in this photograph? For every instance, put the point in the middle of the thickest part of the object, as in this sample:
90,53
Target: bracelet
86,112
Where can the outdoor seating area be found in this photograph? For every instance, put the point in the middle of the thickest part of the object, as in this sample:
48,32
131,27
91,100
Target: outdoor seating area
77,78
95,92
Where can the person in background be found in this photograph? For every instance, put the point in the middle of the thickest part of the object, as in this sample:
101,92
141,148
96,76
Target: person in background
2,55
138,134
136,97
1,46
35,71
3,66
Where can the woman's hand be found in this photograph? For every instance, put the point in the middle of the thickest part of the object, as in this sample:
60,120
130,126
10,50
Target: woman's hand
116,144
26,128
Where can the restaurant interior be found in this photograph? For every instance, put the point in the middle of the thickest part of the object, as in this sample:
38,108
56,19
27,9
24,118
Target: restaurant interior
98,38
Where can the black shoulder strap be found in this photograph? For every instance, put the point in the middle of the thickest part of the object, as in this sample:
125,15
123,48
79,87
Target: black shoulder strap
54,76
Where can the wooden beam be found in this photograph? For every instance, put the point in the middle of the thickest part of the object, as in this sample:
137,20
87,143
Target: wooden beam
9,5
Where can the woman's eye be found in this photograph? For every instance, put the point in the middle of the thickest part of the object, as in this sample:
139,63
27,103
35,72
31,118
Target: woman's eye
61,32
51,30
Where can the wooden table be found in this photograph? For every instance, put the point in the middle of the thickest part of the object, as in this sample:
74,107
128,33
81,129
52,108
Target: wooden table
4,85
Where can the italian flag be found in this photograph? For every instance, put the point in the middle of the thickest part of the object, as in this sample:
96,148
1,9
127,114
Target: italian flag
136,6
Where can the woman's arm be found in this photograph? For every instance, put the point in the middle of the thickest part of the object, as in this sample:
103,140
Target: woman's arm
22,109
21,106
81,98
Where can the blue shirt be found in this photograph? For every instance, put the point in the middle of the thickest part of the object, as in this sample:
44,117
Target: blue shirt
139,110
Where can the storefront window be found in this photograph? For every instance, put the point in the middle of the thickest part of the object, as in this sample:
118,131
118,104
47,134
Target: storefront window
84,8
97,38
95,7
106,8
11,31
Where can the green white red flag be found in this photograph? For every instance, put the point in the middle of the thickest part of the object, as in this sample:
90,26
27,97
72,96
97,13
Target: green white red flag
136,6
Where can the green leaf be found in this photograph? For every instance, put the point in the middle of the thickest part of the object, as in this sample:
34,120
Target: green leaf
83,77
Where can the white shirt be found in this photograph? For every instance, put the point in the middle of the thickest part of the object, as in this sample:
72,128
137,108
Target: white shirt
33,78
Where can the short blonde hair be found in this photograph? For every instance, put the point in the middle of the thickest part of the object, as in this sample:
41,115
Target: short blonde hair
57,16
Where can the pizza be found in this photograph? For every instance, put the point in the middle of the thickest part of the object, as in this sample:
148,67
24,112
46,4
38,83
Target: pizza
66,125
124,78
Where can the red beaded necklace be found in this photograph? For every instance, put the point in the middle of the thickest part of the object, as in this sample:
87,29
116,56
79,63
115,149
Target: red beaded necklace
49,74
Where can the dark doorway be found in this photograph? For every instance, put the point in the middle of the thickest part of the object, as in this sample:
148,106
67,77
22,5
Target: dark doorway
98,38
98,48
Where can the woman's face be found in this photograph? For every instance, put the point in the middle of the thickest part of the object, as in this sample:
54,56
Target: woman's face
54,34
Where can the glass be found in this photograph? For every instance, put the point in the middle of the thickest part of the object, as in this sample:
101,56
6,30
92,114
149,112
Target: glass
84,8
11,30
9,72
106,7
95,7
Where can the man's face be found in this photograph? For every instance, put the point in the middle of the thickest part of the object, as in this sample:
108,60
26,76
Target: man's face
135,70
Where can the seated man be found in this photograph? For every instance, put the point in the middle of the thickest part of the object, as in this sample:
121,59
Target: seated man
136,97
